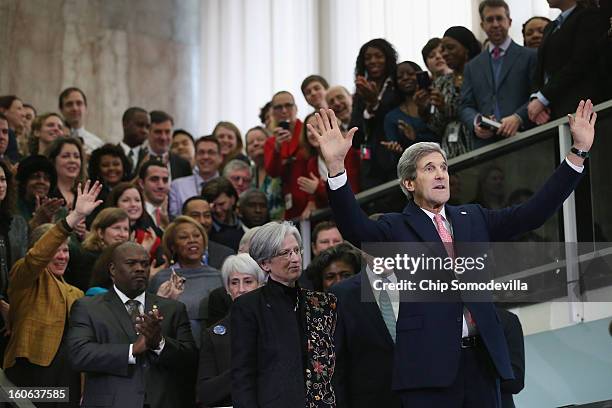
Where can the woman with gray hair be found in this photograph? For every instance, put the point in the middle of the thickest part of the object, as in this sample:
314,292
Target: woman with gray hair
241,274
282,347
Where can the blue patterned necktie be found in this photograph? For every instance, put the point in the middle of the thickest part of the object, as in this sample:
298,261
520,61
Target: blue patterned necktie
386,310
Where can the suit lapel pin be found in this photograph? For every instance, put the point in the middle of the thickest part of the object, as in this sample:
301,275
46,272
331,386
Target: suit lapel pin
219,330
463,212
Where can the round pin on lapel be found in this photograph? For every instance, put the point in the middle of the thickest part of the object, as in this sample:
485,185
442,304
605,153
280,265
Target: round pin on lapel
219,330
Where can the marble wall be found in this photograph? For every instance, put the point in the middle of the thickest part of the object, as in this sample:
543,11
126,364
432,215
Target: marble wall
121,53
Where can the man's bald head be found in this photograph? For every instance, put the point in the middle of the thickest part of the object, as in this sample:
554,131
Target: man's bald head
340,101
129,268
126,247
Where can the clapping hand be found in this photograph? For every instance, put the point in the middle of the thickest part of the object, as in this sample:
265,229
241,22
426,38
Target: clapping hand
46,208
407,130
368,90
308,184
394,147
333,144
148,327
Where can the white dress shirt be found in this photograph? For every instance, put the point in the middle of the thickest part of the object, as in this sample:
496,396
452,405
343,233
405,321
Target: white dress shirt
90,141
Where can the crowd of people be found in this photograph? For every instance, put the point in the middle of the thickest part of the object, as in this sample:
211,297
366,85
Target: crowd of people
122,262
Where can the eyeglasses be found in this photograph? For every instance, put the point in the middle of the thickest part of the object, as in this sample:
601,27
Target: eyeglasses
288,252
238,179
281,107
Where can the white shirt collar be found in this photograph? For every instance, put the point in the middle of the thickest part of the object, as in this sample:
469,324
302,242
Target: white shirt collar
124,298
504,46
150,207
431,215
126,149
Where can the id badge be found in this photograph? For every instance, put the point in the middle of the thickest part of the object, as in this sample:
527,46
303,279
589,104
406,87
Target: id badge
288,201
453,132
365,152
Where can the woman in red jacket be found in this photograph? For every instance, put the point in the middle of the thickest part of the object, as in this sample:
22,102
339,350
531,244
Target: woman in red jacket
316,177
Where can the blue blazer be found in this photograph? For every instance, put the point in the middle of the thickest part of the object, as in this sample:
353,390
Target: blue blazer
479,91
427,348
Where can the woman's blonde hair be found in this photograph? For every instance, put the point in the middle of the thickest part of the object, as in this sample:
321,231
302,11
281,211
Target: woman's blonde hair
170,234
104,219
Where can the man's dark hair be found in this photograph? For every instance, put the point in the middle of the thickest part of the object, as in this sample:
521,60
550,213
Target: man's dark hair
27,105
66,92
342,252
190,199
386,48
130,112
158,117
282,92
216,187
431,45
7,100
263,110
183,132
142,173
531,19
313,78
322,226
246,196
493,4
3,116
208,138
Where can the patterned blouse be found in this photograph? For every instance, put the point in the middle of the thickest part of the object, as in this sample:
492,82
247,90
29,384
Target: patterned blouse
446,122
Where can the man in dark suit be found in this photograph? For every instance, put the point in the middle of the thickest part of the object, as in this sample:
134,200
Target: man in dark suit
135,348
497,82
158,145
450,353
363,345
136,123
567,61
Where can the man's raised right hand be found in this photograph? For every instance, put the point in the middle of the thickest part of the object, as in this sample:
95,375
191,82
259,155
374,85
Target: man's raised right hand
334,146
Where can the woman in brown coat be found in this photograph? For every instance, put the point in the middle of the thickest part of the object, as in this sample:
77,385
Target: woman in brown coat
40,304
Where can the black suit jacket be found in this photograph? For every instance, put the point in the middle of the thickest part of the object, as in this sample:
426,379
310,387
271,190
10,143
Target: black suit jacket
381,165
363,347
216,306
569,57
99,337
276,361
514,336
179,167
217,253
214,372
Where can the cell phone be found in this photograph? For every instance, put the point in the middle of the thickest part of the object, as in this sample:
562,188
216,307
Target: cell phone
487,123
423,79
284,124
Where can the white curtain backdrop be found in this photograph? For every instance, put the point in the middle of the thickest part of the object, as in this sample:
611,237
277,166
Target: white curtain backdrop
254,48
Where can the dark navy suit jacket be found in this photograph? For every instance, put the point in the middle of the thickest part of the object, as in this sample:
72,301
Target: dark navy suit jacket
479,92
427,350
363,347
